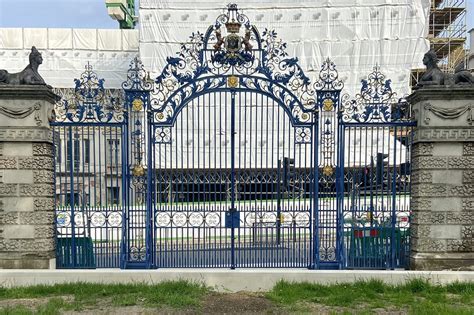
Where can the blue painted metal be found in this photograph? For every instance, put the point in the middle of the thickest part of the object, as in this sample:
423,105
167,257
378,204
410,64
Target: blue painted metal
88,206
376,218
138,229
232,158
330,199
270,103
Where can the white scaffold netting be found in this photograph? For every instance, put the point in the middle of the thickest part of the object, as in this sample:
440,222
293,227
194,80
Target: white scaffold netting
355,34
66,51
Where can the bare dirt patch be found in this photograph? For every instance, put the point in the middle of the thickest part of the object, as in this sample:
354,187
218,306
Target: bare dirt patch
237,303
126,310
32,303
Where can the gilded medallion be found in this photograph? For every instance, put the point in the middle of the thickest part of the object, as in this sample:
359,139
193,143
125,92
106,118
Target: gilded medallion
233,81
328,105
137,105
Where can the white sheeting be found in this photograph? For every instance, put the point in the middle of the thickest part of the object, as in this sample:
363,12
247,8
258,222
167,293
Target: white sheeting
355,34
66,52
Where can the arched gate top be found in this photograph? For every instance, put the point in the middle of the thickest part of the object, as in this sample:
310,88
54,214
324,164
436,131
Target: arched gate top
233,55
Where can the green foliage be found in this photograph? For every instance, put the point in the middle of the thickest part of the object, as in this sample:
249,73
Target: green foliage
417,296
418,285
16,310
175,294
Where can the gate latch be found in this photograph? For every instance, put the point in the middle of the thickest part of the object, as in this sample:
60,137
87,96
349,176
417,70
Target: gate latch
232,219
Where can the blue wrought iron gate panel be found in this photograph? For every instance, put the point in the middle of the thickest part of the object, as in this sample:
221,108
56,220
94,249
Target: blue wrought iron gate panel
137,250
89,134
233,153
233,185
376,138
329,192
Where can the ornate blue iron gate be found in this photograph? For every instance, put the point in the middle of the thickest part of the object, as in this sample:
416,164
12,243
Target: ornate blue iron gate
375,139
232,158
90,138
231,153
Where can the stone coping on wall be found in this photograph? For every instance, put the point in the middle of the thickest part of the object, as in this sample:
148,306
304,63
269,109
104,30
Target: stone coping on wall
443,92
28,92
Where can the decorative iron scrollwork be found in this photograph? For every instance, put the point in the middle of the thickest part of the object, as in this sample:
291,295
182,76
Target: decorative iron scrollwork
163,135
374,102
193,219
303,135
328,87
137,89
251,62
137,77
90,102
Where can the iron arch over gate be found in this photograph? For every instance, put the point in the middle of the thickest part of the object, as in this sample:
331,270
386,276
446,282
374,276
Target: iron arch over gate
232,158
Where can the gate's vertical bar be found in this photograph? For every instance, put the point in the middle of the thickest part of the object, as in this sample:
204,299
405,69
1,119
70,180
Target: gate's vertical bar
232,179
69,148
57,164
394,195
125,184
315,262
278,221
340,193
150,200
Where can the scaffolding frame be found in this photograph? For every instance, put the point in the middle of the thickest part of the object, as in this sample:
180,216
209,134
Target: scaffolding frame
447,35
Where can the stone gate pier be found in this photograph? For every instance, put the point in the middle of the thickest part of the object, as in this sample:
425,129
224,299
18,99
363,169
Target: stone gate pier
443,178
27,238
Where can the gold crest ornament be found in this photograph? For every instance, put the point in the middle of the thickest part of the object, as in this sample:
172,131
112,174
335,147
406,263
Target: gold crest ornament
328,105
137,105
138,170
233,81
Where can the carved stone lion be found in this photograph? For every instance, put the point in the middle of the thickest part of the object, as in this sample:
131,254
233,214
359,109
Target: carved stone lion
29,75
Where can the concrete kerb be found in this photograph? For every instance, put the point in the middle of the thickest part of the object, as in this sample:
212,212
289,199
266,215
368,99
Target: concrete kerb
224,280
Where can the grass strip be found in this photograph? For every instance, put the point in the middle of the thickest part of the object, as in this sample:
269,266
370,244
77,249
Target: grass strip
416,296
87,296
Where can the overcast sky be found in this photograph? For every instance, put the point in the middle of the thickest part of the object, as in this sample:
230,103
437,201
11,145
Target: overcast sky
80,14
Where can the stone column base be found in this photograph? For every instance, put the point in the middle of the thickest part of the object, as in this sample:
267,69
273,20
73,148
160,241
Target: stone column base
28,263
442,261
